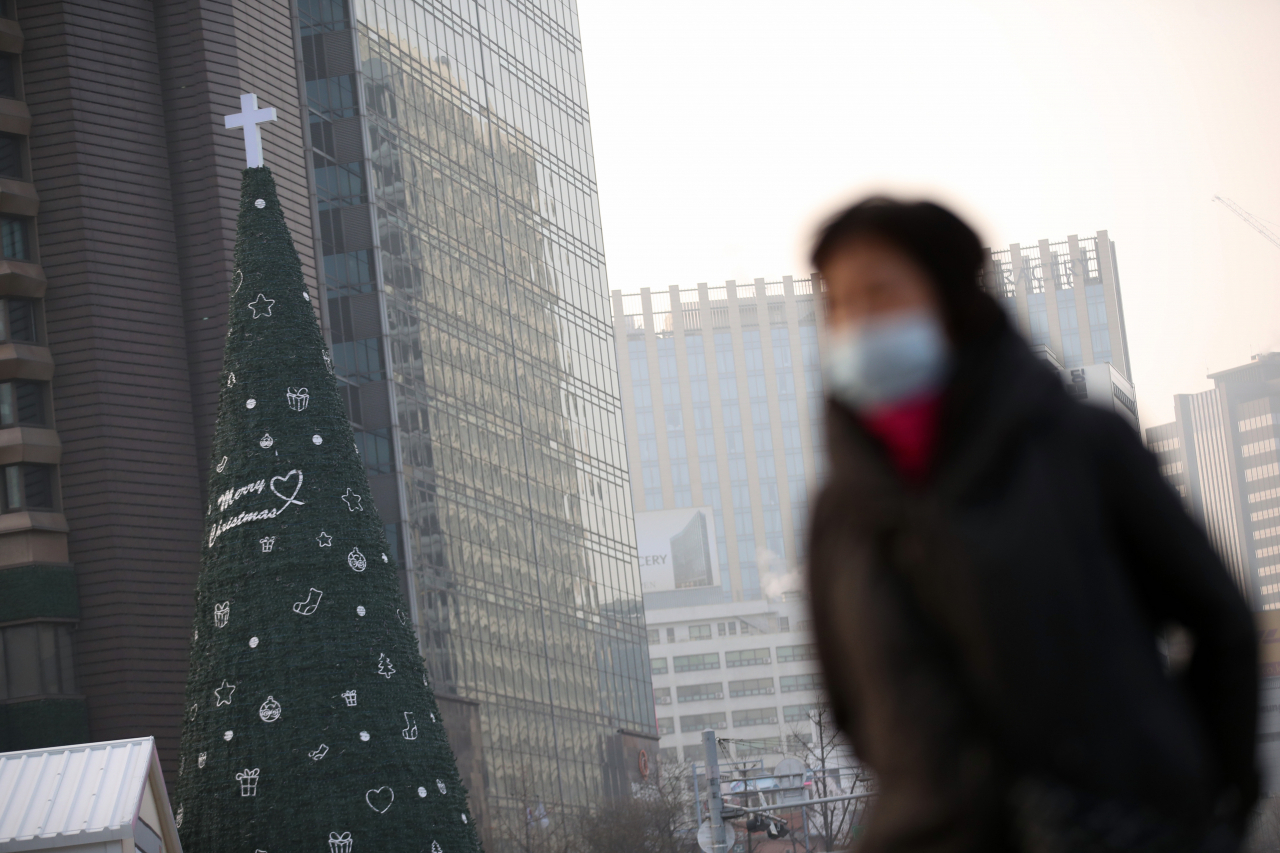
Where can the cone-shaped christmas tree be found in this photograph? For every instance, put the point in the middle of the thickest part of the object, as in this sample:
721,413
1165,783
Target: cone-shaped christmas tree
310,725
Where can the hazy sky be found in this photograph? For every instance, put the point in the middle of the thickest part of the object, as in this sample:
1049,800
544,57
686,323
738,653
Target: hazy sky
725,129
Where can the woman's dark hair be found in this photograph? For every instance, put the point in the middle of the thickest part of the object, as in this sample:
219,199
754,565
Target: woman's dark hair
936,239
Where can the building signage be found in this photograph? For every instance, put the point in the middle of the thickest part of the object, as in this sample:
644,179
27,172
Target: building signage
677,549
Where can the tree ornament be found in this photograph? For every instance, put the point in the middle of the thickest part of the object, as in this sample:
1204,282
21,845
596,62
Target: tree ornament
270,710
285,540
223,696
248,780
307,607
380,799
261,307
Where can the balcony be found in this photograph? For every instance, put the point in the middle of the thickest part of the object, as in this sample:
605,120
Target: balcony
18,197
29,444
25,361
20,278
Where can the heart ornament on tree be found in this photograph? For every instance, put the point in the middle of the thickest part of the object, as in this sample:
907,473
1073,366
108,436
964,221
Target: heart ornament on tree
380,799
285,482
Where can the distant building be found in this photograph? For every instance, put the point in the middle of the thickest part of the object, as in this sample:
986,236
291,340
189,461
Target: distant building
1220,455
747,669
1065,298
722,401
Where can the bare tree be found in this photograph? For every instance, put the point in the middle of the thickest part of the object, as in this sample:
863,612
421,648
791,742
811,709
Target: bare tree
826,753
530,827
657,819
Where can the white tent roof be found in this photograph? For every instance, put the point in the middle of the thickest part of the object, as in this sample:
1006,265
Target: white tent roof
72,795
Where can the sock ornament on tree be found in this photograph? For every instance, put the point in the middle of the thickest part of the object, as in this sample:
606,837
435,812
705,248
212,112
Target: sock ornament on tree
310,724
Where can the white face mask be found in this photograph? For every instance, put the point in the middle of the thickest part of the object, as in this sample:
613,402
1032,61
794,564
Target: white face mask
887,359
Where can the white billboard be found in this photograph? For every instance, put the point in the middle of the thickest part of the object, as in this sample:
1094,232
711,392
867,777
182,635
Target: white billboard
677,549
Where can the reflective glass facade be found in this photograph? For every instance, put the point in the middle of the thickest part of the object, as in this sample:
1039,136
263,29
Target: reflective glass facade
470,317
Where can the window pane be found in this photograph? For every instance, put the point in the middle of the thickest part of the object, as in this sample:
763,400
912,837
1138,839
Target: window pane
64,660
22,320
755,717
22,659
8,76
13,238
748,657
10,156
13,488
39,486
794,653
30,402
48,658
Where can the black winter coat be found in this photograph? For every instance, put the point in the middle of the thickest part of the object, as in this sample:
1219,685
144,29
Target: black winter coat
989,639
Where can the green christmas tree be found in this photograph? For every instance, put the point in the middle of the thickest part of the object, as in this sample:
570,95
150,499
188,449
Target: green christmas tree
310,723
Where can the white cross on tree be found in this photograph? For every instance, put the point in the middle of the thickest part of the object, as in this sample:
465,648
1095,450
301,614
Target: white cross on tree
249,118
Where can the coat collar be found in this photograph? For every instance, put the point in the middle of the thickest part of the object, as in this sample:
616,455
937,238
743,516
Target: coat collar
998,390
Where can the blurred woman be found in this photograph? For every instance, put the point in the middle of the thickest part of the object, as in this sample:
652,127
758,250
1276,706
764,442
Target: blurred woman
991,566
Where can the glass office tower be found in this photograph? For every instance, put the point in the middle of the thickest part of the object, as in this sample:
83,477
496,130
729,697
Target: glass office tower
469,312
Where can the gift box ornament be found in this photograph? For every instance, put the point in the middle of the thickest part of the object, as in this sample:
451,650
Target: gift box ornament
248,780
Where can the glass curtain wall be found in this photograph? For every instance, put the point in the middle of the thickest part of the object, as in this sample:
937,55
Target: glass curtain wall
456,190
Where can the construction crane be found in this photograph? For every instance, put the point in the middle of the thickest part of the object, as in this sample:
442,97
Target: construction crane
1250,219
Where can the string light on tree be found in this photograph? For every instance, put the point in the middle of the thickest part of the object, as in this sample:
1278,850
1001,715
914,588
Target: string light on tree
305,735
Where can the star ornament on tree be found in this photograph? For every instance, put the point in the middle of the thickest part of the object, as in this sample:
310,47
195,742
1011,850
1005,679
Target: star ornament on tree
223,693
261,307
353,501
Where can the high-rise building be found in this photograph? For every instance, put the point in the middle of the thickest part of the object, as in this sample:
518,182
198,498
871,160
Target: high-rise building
722,397
460,245
1220,455
434,162
1064,297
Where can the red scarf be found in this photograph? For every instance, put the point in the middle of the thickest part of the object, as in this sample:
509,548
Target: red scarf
909,431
